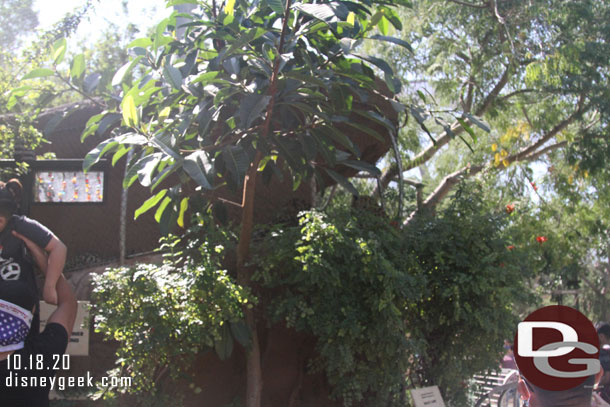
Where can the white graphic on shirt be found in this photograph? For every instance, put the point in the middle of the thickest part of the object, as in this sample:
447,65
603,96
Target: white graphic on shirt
9,270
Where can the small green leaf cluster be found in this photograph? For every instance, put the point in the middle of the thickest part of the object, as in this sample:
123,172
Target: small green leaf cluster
18,134
164,315
383,302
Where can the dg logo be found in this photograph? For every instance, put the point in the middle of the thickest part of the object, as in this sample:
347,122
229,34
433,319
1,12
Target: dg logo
557,348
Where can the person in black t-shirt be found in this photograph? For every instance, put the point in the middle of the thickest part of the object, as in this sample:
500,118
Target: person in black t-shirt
27,364
15,261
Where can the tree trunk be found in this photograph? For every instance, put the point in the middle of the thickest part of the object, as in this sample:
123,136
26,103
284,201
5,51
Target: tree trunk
254,374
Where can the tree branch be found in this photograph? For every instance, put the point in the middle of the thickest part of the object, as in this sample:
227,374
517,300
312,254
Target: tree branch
546,150
422,157
517,92
441,141
529,153
80,92
552,133
443,189
493,95
448,183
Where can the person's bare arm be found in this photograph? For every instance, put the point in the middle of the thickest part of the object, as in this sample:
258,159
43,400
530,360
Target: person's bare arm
38,253
51,265
65,314
55,265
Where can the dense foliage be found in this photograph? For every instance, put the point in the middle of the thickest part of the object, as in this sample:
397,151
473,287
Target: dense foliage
164,315
383,301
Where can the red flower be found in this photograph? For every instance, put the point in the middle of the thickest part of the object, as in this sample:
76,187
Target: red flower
511,247
541,239
510,208
534,186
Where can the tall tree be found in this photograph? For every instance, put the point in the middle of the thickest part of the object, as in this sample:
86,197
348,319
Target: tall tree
527,71
248,83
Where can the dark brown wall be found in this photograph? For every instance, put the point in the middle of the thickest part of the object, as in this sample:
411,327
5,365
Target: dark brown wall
93,228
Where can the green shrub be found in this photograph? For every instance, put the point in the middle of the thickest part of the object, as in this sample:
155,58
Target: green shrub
432,300
164,315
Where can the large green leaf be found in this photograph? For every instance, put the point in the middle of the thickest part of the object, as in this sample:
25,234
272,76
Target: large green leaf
39,73
393,17
59,50
344,182
160,142
237,161
119,76
130,112
162,208
229,7
98,152
123,149
394,40
378,62
251,108
467,129
109,121
224,345
184,204
362,166
478,122
277,5
78,66
140,42
173,76
205,77
161,176
196,165
384,25
332,12
148,166
150,203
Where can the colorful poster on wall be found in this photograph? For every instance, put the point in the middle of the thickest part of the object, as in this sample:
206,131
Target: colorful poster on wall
69,186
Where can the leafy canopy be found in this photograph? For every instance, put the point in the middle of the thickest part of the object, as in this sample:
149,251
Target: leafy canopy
219,86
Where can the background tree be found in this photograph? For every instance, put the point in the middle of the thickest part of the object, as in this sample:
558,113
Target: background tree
489,61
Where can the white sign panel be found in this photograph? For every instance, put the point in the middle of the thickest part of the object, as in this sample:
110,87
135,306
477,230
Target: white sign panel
79,340
427,397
